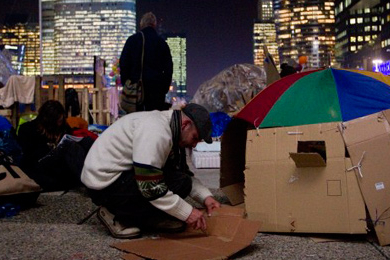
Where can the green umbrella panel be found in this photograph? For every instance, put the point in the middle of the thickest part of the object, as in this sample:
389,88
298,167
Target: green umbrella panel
312,98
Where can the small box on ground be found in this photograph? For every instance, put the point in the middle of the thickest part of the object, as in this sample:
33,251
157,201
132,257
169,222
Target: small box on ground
206,155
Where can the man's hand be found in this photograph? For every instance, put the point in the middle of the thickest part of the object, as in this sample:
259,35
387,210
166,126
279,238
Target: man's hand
196,220
211,204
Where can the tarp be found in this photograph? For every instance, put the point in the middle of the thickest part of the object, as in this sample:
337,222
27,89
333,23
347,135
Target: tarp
6,69
231,89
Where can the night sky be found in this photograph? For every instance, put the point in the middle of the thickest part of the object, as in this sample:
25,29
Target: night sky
219,32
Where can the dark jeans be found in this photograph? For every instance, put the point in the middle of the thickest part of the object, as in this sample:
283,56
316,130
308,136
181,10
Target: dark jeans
125,201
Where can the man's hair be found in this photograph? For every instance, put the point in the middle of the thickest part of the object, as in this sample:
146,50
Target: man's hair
148,19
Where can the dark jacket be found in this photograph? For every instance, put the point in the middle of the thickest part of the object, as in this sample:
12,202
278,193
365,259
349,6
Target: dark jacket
52,168
157,66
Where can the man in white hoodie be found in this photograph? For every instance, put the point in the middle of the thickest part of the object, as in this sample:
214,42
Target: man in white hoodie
136,170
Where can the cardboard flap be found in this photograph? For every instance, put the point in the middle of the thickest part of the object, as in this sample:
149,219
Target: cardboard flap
227,233
235,193
368,143
364,128
308,160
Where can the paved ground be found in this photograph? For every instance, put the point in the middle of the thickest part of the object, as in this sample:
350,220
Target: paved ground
50,231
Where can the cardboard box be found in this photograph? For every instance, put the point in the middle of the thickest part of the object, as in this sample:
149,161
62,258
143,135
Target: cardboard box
368,143
296,181
227,233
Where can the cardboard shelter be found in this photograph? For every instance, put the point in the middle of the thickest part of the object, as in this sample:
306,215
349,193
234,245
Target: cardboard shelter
298,171
306,179
227,233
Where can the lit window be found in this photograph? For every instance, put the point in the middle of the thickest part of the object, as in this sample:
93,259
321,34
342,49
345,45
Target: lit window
360,38
367,38
352,39
352,21
353,48
367,28
367,10
375,28
374,18
359,20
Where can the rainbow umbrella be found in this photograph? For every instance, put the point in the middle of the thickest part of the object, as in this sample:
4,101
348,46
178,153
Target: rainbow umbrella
318,96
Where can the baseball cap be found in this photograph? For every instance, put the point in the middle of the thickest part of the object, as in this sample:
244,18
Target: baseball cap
201,117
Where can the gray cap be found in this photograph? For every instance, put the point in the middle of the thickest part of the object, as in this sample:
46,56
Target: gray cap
201,117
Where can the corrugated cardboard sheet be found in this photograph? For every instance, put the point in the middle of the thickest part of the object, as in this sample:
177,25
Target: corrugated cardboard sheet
314,193
368,143
227,233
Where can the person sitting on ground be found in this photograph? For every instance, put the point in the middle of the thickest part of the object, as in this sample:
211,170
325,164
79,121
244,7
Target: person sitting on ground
137,172
52,165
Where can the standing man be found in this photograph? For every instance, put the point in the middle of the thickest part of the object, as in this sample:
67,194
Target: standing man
157,64
136,171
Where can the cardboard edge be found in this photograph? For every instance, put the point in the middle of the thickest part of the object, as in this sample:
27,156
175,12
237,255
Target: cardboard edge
234,193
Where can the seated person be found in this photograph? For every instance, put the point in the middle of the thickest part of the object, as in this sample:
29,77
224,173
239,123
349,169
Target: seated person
52,165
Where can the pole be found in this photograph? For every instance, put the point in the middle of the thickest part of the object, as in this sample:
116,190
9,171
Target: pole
40,38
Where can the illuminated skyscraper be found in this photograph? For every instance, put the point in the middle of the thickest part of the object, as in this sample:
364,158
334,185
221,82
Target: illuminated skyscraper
74,31
48,46
306,28
22,40
178,46
264,32
362,32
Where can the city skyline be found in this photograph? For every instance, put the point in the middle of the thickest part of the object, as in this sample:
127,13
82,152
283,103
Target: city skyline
219,32
218,37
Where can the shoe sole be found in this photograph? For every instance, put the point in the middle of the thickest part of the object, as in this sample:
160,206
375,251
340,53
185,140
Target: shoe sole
104,222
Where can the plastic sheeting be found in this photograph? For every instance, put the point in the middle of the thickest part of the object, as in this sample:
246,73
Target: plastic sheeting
231,89
6,69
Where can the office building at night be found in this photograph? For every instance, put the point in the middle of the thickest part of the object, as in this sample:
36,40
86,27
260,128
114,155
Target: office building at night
264,33
73,32
178,45
21,40
362,33
306,28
